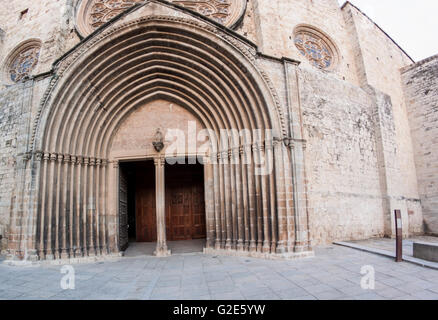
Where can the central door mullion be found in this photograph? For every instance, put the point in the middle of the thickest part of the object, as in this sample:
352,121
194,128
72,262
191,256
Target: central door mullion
162,250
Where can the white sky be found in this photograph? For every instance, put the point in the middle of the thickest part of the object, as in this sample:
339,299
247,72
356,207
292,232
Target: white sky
413,24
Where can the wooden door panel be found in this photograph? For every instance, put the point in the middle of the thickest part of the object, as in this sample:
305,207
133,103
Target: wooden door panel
146,220
185,208
123,210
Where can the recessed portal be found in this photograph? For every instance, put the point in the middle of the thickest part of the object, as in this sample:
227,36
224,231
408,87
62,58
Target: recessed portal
184,202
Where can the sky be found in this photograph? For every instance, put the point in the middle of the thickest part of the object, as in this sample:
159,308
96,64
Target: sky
411,23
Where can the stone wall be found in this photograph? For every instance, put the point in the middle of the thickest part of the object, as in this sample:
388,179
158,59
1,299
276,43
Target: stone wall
359,158
341,160
277,20
179,127
378,60
18,107
50,21
421,88
11,111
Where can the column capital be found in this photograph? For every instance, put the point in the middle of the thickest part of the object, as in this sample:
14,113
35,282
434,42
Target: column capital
236,151
39,155
247,148
67,158
276,142
289,142
73,159
258,146
224,155
269,144
159,161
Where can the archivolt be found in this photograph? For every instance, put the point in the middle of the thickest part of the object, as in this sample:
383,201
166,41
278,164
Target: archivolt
201,68
158,54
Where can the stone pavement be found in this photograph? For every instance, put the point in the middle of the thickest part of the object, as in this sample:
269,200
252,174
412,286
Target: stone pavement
389,244
335,273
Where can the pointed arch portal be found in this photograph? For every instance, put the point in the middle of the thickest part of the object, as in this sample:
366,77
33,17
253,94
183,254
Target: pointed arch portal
102,82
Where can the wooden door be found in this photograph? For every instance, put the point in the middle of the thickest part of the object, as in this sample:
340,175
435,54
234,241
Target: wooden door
146,222
198,211
123,210
185,207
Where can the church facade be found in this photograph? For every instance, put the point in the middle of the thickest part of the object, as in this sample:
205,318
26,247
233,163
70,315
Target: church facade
263,127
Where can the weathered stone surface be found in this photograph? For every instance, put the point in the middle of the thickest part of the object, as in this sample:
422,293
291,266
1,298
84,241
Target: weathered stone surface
421,88
426,251
343,155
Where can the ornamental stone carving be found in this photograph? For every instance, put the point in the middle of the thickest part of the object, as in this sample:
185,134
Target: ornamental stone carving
23,61
318,49
102,11
93,14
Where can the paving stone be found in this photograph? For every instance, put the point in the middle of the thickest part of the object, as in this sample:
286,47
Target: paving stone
263,296
168,283
390,293
232,295
292,293
369,296
329,295
434,289
290,280
426,295
10,294
317,288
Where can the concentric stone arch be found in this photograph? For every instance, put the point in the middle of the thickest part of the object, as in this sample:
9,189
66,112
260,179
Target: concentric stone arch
97,85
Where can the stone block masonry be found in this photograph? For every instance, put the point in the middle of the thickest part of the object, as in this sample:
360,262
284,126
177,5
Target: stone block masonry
341,151
421,89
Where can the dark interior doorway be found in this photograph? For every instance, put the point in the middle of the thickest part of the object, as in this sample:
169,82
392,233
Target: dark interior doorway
184,206
140,176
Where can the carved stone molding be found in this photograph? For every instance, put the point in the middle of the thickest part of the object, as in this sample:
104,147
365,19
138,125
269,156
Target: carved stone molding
93,14
226,12
22,61
316,47
67,158
65,64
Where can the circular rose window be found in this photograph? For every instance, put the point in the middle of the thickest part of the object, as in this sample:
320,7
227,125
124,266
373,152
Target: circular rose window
316,47
23,60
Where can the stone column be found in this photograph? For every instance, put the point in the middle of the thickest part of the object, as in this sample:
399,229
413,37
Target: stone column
209,202
161,250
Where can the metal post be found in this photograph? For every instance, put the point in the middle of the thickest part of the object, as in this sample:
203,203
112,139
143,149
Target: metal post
399,236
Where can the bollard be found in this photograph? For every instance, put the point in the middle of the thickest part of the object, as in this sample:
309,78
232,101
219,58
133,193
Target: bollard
399,236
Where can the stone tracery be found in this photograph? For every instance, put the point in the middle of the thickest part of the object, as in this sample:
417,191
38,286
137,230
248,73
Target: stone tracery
95,13
218,10
103,11
23,63
317,48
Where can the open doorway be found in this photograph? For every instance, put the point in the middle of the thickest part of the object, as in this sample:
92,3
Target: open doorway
184,207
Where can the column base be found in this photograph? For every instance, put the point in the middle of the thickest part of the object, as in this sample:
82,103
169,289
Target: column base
261,255
162,253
